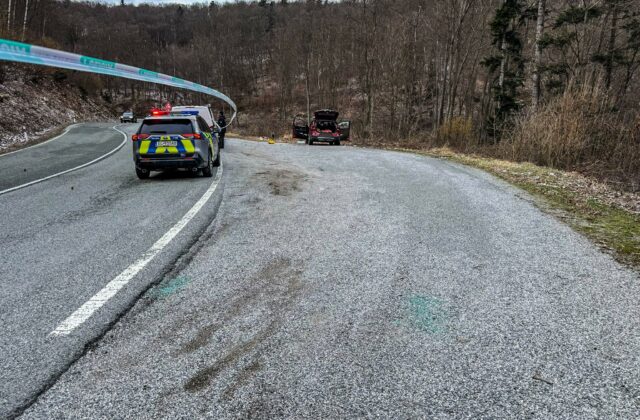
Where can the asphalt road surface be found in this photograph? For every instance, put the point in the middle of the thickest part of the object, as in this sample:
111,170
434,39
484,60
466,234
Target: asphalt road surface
64,239
317,282
79,145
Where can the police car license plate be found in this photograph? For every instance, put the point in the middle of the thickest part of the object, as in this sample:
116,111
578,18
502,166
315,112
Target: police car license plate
166,144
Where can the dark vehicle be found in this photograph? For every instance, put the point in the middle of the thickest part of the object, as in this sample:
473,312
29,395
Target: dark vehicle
175,141
324,128
128,117
300,127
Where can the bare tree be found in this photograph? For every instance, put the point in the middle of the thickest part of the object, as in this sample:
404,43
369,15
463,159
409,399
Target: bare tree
24,21
9,17
537,64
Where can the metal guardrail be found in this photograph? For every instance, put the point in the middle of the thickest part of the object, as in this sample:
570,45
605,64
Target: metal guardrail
33,54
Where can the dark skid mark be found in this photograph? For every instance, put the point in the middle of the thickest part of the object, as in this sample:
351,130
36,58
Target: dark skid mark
202,338
277,274
203,377
278,283
230,312
282,182
243,377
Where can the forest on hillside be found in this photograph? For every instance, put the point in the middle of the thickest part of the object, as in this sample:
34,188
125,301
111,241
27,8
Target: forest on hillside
555,82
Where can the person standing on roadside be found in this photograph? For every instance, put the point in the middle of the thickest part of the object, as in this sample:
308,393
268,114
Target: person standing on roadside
222,122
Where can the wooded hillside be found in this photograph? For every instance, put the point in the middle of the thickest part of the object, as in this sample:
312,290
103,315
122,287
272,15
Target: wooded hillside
551,81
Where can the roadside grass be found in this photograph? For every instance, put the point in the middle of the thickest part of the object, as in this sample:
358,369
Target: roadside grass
609,218
233,135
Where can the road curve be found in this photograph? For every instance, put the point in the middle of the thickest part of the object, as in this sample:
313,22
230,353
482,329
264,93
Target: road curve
64,239
79,145
339,283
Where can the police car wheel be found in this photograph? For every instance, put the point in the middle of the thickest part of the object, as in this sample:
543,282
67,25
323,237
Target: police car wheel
143,173
207,171
216,162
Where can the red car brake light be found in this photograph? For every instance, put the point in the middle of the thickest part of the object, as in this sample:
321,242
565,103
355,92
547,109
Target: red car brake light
136,137
192,136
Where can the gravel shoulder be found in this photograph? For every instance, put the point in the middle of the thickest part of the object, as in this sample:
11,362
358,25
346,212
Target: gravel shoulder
608,216
341,282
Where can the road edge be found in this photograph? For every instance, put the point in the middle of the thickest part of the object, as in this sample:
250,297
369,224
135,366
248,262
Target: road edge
605,225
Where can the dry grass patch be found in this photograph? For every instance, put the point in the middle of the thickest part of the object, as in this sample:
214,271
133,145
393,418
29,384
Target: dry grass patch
579,130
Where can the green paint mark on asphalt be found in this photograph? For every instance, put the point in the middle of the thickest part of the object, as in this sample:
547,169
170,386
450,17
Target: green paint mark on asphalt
426,314
172,286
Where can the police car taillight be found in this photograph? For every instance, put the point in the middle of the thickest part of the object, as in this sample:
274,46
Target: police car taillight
192,136
137,137
156,112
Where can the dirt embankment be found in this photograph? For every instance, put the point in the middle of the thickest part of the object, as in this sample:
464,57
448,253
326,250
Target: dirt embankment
37,104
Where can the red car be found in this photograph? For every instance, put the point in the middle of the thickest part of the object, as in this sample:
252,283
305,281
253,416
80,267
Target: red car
324,128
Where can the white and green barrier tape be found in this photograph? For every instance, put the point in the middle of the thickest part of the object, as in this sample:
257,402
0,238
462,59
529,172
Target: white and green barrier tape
33,54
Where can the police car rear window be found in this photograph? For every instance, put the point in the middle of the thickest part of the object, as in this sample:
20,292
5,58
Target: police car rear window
166,127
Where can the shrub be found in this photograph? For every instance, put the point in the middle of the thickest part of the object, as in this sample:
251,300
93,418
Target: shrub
576,130
456,133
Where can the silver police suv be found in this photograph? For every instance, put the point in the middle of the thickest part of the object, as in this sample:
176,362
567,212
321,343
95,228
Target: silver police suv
179,140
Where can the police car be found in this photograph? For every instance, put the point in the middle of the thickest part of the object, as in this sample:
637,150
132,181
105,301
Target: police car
175,140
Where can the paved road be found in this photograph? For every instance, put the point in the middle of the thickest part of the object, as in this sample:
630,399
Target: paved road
338,282
80,144
63,239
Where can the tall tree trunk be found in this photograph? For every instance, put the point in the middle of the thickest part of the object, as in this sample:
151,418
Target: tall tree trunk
445,83
503,66
308,92
612,46
9,17
536,94
24,22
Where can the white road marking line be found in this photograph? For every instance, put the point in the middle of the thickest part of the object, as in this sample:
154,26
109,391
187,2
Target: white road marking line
83,313
66,130
84,165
